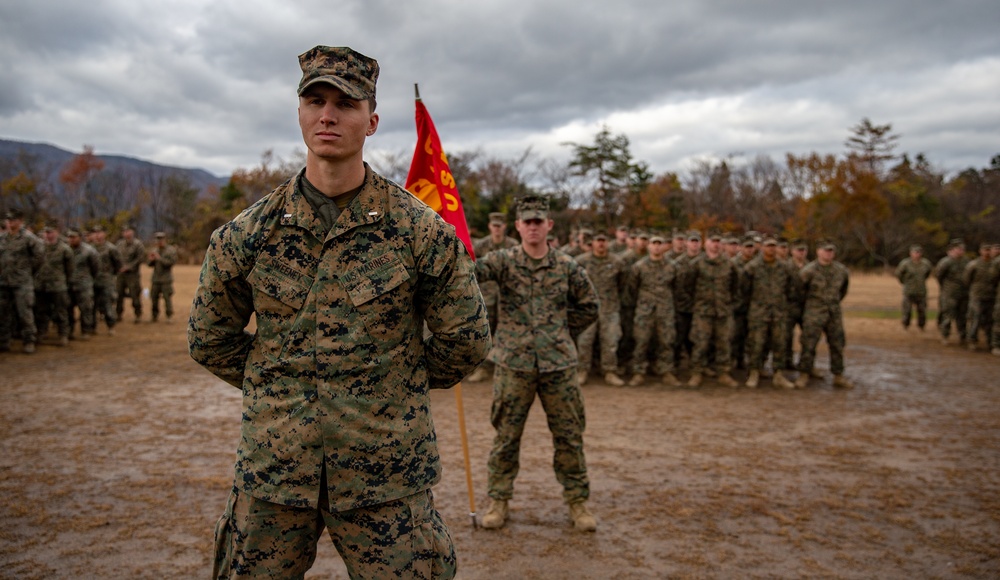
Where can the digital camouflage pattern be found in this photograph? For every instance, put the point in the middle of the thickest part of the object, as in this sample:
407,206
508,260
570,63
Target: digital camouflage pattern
544,305
350,71
490,290
995,334
403,538
133,254
796,303
609,275
823,287
741,305
683,304
105,282
336,377
86,265
52,288
514,391
913,276
21,255
768,287
713,283
980,278
653,284
953,298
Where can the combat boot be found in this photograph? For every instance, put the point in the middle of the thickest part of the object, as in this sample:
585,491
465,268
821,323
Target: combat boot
842,382
496,516
636,380
972,346
581,378
996,351
478,376
803,381
695,381
669,380
782,382
709,373
29,348
63,341
816,373
753,380
613,380
727,380
583,520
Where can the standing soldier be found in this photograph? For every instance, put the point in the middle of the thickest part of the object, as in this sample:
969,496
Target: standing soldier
52,286
741,304
609,275
21,256
713,281
979,277
546,300
638,250
768,284
684,297
653,282
110,260
995,338
796,303
912,272
162,260
824,285
129,281
678,246
954,294
86,265
731,245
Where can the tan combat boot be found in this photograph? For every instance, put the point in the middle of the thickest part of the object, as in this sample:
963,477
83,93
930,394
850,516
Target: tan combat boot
581,378
782,382
727,380
613,380
753,380
636,380
583,520
803,381
996,351
695,381
816,373
669,380
842,382
496,516
28,348
478,376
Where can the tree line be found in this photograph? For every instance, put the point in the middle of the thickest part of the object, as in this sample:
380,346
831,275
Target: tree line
872,201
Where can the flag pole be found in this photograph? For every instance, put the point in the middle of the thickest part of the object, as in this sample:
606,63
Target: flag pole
416,91
465,454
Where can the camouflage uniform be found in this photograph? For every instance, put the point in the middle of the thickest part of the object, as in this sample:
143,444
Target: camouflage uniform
954,295
336,378
823,287
683,304
768,287
796,305
129,281
544,305
609,275
110,261
21,255
162,281
981,280
995,338
52,289
713,283
490,290
86,265
653,282
913,276
741,308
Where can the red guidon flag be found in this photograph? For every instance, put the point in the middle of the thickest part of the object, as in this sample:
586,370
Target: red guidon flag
430,177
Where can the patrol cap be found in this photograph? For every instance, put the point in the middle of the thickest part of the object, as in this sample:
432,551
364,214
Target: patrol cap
14,214
656,239
352,72
533,207
916,248
586,235
159,235
827,245
622,228
600,236
678,235
72,234
770,241
730,240
497,218
47,229
985,246
643,234
782,242
96,229
955,242
715,237
748,241
694,235
800,245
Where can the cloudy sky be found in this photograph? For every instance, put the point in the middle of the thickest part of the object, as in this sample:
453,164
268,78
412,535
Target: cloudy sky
212,84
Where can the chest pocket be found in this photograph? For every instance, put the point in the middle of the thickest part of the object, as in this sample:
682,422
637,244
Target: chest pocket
378,292
279,295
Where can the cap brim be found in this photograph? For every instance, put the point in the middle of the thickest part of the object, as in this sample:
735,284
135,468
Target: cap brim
532,214
339,83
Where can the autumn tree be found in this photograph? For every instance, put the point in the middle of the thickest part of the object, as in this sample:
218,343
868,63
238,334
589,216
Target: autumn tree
613,177
77,178
25,184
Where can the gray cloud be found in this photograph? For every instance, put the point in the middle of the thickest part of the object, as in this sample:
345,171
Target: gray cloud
212,84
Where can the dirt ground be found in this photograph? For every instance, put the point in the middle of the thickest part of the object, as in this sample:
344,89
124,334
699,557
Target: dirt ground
116,457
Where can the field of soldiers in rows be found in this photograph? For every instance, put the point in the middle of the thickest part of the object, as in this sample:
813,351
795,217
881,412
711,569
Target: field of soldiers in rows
117,457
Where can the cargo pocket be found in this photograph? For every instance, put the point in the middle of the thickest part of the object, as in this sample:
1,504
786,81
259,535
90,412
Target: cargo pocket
378,294
224,541
279,294
432,549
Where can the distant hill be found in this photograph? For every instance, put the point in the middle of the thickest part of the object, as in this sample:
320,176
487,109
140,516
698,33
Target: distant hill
55,158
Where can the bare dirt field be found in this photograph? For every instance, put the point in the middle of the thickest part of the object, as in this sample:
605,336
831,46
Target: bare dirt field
116,457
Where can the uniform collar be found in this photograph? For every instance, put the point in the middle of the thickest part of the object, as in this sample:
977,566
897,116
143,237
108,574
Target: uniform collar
366,208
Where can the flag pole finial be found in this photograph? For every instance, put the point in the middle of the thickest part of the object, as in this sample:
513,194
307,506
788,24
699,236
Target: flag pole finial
416,90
